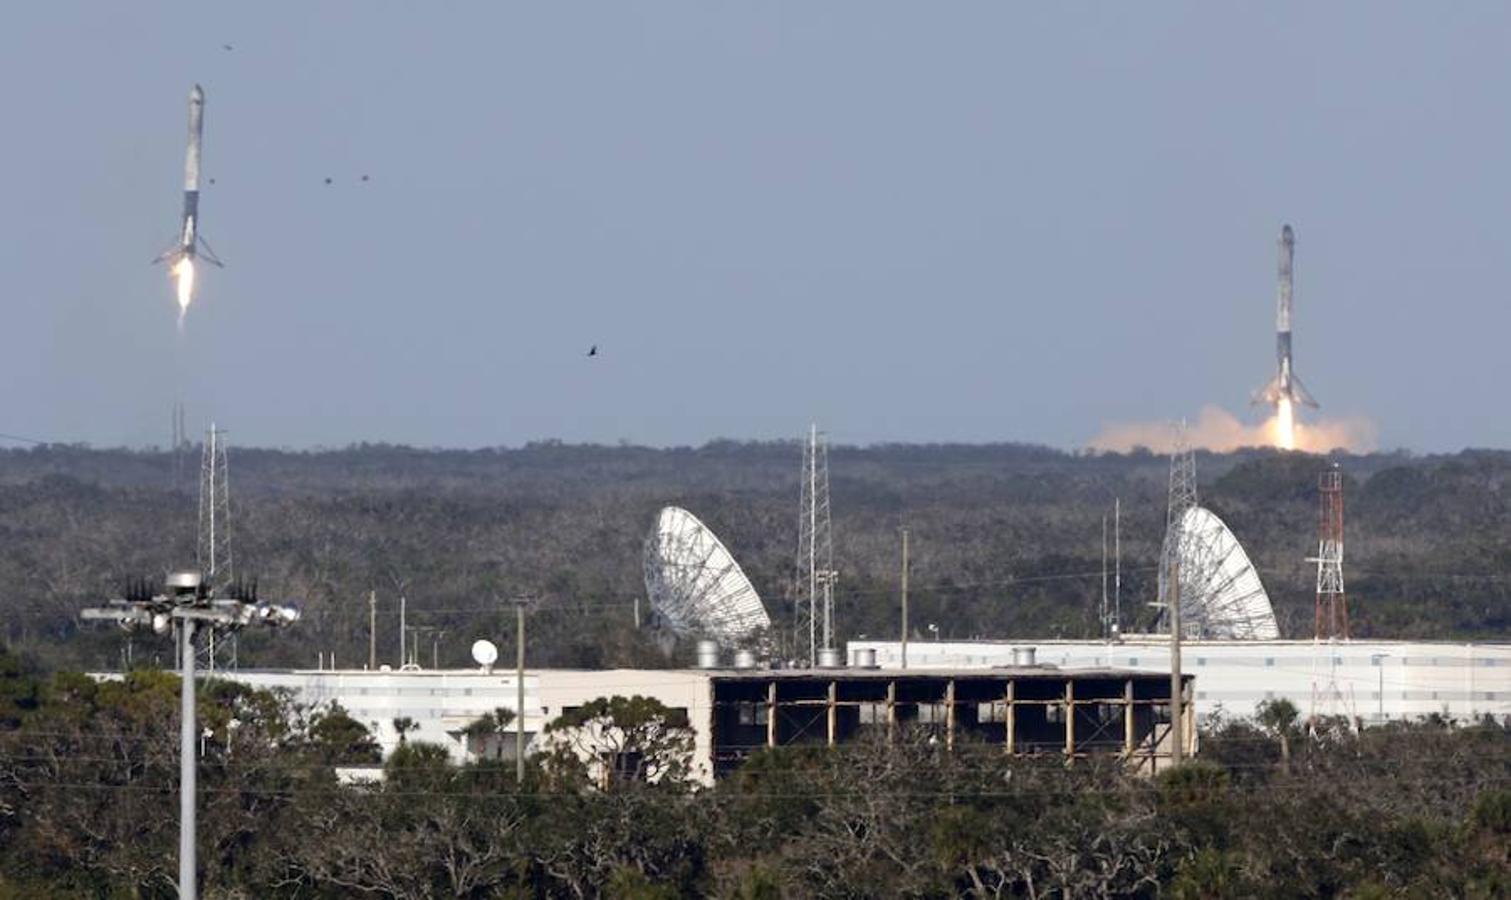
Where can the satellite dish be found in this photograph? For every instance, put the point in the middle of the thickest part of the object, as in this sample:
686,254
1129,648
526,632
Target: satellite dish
1221,595
695,585
484,653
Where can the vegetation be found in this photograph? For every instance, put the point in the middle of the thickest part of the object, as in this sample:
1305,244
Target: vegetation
88,808
1006,540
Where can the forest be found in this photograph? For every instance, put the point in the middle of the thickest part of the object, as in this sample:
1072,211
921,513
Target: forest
1006,541
88,806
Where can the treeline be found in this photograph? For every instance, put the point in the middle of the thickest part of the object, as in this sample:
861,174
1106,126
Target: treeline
88,807
1006,540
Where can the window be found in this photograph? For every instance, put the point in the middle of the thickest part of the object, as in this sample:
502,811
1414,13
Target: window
931,714
1269,661
991,712
751,713
1133,660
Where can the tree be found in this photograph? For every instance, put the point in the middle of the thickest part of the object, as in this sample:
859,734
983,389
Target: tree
622,740
339,740
489,730
1278,717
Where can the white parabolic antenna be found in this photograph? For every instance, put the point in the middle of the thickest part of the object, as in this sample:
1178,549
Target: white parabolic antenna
694,583
484,653
1220,591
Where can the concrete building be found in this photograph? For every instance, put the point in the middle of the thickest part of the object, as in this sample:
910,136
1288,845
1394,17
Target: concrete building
1035,709
1376,681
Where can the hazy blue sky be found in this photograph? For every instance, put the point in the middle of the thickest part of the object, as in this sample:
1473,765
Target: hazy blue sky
911,222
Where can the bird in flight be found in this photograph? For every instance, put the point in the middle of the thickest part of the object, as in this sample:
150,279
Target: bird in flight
227,47
330,181
593,350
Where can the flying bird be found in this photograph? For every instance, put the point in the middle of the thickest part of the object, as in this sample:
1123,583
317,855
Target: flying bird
329,180
366,178
227,47
593,350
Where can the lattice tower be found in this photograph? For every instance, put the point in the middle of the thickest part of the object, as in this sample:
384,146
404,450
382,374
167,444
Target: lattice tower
1332,602
215,512
815,549
1182,497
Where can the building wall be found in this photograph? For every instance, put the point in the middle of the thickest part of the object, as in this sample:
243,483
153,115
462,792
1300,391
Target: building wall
444,702
1375,680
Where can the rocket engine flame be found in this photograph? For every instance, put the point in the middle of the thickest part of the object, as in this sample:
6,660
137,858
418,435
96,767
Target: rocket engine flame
1285,424
183,273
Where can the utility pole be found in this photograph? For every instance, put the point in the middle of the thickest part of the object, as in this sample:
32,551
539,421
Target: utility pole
519,680
401,632
372,631
904,598
1177,690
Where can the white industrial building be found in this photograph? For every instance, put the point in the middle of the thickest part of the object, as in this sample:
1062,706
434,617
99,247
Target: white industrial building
441,703
1032,709
1374,680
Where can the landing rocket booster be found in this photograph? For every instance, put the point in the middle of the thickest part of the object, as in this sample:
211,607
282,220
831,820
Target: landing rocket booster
1285,384
190,244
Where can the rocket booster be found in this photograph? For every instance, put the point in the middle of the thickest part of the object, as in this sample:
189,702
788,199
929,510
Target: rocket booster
190,245
1285,384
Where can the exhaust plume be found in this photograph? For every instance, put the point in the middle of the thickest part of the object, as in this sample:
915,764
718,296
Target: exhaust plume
1218,430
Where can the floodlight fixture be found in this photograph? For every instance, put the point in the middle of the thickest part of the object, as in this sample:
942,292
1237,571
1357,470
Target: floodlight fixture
186,602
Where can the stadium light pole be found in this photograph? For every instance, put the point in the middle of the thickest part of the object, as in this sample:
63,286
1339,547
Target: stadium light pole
186,603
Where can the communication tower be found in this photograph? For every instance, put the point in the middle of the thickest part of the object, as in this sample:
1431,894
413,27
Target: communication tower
214,549
215,511
1182,499
1329,697
815,550
1332,603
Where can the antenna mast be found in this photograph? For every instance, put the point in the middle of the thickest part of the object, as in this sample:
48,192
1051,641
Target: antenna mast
815,549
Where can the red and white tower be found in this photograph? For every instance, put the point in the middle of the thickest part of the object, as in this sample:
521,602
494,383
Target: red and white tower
1332,603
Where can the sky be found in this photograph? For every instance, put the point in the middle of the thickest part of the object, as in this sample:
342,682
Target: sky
907,222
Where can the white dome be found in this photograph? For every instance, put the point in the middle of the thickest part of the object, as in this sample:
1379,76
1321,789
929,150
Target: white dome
1221,595
694,583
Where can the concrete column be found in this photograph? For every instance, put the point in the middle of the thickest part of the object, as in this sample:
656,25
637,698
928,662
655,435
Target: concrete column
771,714
1010,718
1070,720
891,711
1128,744
949,714
833,714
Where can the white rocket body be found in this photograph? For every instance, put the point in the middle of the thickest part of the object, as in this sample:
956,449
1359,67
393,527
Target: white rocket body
190,244
1285,384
